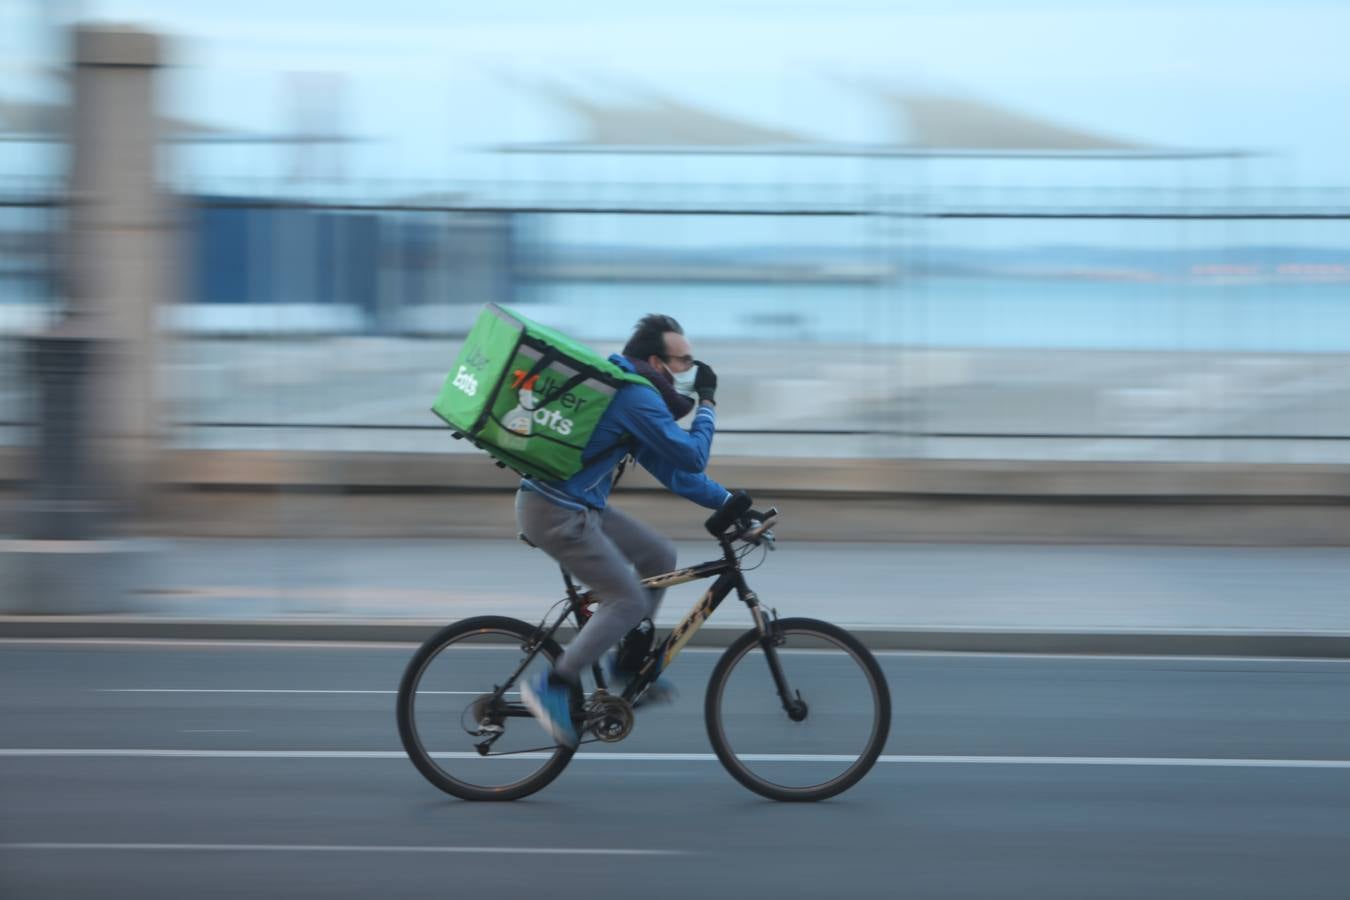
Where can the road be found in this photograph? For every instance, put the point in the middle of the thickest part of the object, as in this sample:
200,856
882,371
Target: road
160,770
989,586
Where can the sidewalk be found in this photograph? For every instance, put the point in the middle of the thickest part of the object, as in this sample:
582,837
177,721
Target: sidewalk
995,597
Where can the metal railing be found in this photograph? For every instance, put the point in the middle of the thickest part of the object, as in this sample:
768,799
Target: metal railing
348,292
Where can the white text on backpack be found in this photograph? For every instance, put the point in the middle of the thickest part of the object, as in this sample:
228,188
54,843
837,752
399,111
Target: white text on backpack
465,381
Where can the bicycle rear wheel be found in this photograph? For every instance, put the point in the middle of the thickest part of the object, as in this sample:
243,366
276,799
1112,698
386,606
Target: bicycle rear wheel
817,749
446,708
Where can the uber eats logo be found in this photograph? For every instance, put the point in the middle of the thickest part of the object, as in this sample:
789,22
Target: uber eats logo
537,389
465,381
475,359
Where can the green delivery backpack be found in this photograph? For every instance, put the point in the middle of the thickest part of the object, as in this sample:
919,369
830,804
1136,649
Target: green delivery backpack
528,395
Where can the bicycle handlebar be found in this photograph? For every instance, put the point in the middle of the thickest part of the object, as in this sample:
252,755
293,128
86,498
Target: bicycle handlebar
762,531
730,523
725,517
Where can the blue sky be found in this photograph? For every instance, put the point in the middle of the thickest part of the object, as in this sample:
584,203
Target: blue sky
429,78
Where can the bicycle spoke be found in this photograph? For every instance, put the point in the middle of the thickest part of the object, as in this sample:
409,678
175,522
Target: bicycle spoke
827,734
451,703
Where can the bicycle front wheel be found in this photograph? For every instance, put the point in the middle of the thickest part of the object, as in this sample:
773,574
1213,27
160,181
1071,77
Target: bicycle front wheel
448,708
825,738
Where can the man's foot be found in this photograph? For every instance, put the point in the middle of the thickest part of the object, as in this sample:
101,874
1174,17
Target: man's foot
549,698
658,693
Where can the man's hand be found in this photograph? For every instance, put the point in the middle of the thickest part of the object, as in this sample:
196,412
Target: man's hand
751,514
735,510
705,382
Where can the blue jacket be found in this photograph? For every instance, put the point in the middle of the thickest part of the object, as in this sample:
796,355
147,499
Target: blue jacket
638,422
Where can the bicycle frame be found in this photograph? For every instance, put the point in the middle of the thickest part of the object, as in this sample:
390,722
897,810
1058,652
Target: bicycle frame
726,570
729,578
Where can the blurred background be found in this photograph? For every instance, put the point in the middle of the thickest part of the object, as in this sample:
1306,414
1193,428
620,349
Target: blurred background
1051,237
1032,316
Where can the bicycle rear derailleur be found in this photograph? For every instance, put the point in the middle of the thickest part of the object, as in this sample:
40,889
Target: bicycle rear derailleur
608,716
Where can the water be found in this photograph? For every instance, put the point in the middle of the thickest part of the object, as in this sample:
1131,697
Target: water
970,312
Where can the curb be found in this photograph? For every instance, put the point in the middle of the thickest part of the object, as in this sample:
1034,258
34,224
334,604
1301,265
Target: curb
1105,642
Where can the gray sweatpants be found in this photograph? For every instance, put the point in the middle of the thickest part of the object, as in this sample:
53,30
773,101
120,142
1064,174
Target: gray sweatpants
601,550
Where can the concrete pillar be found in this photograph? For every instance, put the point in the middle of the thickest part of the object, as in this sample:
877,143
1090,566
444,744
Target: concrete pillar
121,267
98,412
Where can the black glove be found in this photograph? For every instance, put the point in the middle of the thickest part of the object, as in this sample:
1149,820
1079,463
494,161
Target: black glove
739,500
730,511
736,510
705,382
751,517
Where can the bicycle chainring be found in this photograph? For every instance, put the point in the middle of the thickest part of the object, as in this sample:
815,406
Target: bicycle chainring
609,717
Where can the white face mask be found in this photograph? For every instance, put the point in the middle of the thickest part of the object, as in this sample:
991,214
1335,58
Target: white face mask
684,381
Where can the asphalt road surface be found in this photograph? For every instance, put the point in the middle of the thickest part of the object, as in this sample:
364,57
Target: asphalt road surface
159,770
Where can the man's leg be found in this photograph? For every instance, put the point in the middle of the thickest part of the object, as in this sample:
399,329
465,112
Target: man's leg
577,540
651,552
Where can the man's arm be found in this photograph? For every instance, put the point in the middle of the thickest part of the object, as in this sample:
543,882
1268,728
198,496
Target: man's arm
660,439
695,486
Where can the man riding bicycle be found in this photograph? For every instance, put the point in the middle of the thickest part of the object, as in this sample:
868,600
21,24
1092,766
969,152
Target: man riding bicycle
572,521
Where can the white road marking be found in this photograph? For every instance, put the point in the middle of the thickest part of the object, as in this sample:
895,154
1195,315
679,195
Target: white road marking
277,691
215,643
1175,761
338,848
249,691
1029,656
270,644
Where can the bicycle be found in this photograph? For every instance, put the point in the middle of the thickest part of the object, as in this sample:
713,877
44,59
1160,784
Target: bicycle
466,717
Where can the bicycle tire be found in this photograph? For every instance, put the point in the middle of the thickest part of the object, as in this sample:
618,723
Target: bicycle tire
406,711
876,742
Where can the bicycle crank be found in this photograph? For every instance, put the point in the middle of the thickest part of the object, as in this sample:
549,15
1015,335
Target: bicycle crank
609,717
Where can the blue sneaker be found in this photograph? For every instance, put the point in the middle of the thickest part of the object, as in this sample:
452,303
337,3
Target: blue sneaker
550,699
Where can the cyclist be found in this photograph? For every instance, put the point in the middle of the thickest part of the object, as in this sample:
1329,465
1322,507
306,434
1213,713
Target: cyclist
573,523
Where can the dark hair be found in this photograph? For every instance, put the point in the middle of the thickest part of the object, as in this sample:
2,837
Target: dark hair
649,336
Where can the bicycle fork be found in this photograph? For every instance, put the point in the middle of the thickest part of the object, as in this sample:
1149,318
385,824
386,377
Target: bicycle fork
770,639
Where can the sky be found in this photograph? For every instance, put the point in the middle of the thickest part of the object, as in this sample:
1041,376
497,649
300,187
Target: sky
424,80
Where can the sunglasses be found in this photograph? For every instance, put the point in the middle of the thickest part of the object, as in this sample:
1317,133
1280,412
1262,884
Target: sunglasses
687,360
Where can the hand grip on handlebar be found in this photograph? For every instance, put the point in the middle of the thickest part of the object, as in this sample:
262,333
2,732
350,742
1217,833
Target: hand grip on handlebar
725,517
757,534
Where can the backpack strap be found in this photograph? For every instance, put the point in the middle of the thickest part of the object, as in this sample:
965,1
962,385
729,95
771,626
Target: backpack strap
547,359
624,441
618,473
